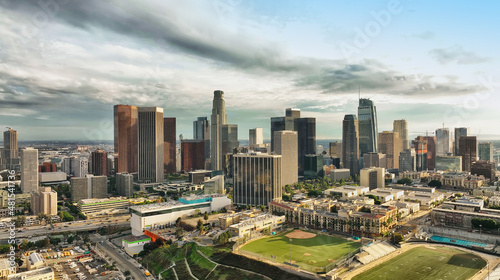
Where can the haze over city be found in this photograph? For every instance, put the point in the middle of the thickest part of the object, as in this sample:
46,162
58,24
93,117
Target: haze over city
64,66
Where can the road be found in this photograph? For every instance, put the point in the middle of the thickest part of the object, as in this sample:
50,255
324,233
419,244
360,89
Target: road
121,261
68,226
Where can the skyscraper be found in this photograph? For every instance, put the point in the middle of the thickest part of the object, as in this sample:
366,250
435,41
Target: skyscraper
459,132
124,184
486,151
420,146
390,145
350,143
407,160
306,133
255,137
99,162
29,170
44,200
89,187
285,144
192,154
201,131
11,152
219,118
336,149
468,151
431,152
125,132
401,127
257,179
229,139
150,144
368,128
374,160
443,141
169,145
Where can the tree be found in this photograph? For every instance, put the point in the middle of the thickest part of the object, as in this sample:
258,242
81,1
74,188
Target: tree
435,183
205,217
126,273
20,221
65,216
342,182
397,238
70,239
178,233
405,181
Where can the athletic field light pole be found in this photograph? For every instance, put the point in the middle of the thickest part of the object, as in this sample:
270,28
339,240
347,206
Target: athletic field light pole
290,251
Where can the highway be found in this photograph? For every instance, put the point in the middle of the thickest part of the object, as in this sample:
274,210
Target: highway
66,226
121,261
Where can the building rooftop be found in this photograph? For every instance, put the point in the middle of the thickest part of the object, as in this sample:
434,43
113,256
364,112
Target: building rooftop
100,200
4,264
35,258
251,221
30,274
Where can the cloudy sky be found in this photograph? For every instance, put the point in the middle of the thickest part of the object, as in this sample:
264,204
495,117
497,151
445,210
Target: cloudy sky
65,63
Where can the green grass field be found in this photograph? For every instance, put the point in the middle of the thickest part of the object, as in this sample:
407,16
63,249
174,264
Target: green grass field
309,253
426,263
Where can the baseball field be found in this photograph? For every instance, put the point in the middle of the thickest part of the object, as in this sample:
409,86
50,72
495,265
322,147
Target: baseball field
306,249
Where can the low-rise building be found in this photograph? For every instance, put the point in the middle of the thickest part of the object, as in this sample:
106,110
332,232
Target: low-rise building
339,174
150,215
348,220
35,261
452,217
347,192
257,224
6,268
96,206
133,245
459,180
45,273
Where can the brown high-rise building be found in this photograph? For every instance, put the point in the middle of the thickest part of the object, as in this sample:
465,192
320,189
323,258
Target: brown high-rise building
125,119
169,145
47,167
99,163
420,146
431,151
468,151
390,145
485,168
192,154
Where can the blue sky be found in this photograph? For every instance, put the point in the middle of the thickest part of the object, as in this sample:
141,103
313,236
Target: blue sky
65,64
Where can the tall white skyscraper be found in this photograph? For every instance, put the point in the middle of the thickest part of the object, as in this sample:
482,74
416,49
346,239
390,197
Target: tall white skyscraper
219,118
285,144
29,170
255,137
150,144
443,141
401,127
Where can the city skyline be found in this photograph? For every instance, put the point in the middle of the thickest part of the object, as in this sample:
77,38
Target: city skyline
64,68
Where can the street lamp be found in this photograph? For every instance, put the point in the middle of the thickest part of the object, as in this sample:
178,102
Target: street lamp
480,227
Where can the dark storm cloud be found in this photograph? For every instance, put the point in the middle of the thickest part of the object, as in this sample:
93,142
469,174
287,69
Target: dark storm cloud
169,31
